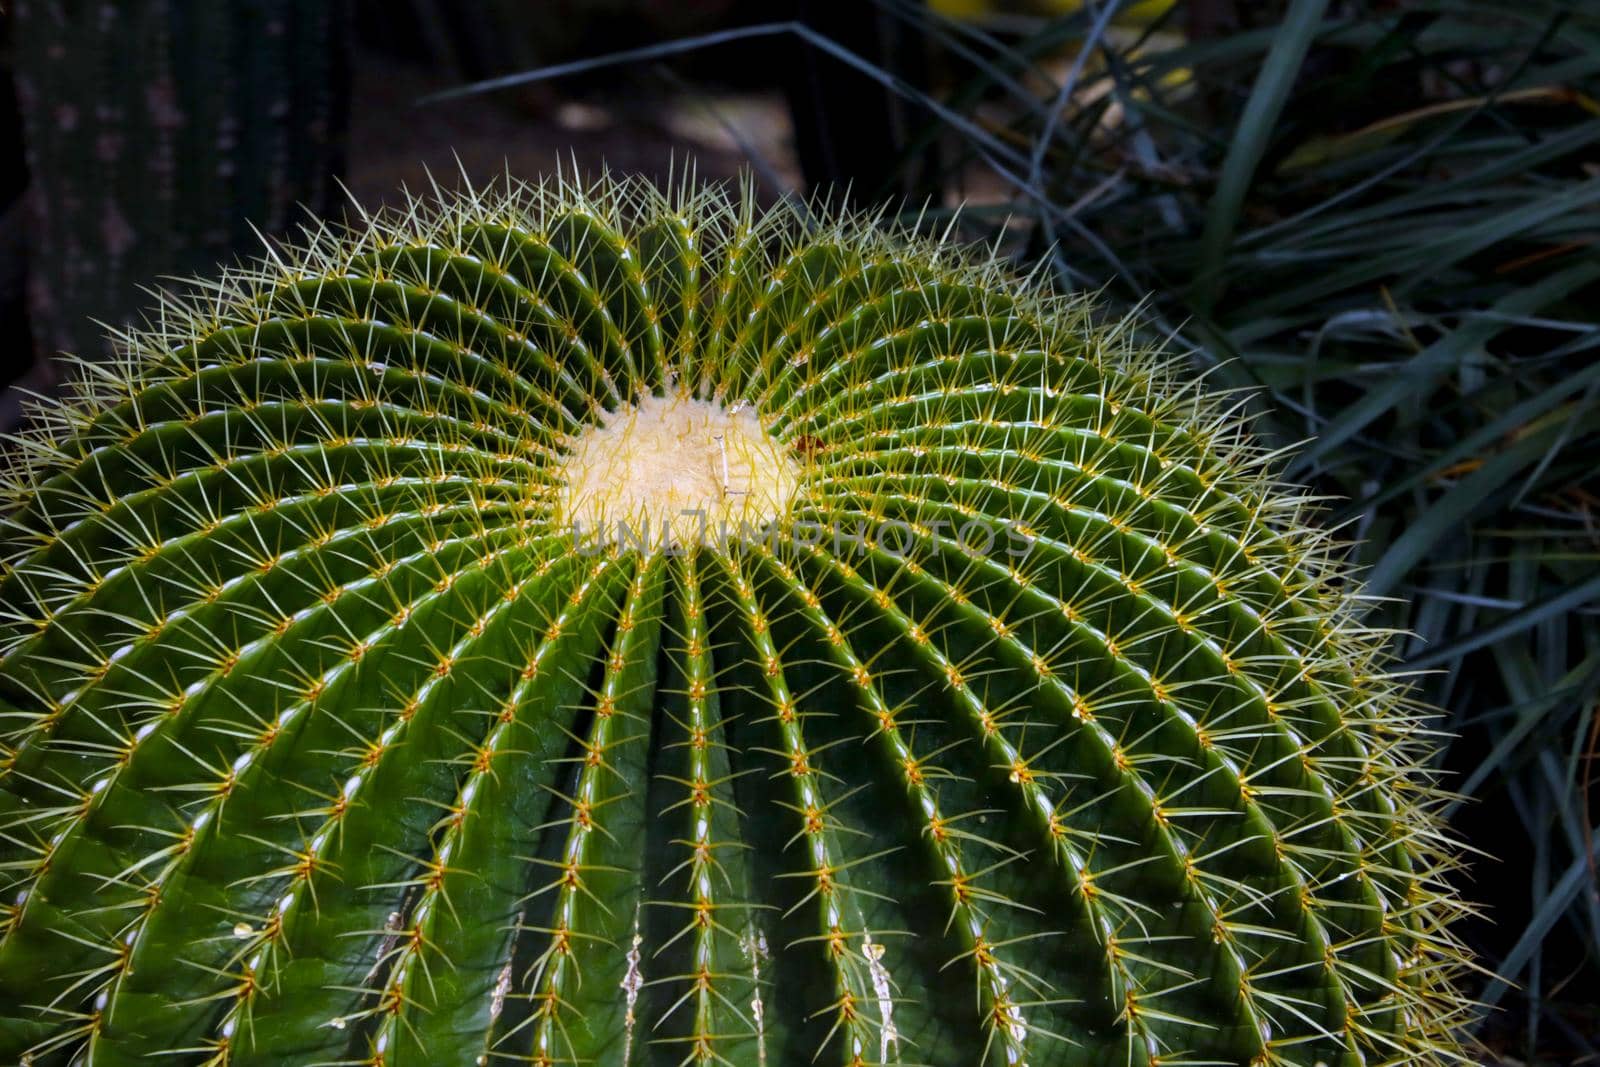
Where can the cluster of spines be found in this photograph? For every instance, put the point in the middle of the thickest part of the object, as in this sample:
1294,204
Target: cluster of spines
918,386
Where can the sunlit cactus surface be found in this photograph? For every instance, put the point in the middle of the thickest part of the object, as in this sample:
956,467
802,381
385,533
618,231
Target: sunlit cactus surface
588,625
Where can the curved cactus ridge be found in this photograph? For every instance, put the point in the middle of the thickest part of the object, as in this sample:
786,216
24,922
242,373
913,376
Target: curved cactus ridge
1004,711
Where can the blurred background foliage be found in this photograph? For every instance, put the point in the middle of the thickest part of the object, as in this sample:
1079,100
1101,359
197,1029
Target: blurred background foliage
1379,218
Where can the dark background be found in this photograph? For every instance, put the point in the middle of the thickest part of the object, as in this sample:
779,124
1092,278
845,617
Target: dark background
1378,217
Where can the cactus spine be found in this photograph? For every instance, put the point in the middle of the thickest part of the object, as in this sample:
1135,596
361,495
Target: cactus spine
1022,719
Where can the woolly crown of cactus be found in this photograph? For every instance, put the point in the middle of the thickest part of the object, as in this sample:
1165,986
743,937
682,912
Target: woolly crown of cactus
586,624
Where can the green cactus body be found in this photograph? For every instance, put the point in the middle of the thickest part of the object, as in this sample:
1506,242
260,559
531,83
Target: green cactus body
1021,719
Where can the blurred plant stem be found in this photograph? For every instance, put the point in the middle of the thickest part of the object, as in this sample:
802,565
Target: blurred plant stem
850,132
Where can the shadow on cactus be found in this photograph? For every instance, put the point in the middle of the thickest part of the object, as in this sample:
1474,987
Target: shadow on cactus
591,625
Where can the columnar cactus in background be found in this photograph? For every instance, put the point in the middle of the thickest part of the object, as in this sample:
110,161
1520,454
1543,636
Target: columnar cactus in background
592,625
164,135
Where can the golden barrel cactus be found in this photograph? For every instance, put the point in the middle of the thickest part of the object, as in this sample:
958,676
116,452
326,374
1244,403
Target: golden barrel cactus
584,624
